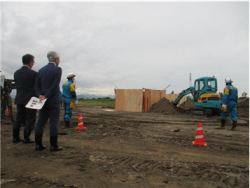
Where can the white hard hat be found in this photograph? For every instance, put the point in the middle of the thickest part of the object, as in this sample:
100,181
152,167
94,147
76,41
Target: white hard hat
228,80
70,75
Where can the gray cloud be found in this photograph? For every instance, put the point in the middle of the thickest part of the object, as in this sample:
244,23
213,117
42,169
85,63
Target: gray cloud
132,44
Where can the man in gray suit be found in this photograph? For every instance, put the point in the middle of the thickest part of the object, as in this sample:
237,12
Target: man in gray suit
47,87
25,79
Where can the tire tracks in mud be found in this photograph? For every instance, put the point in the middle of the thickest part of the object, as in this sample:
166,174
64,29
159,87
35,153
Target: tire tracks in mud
24,181
135,128
133,150
157,130
173,170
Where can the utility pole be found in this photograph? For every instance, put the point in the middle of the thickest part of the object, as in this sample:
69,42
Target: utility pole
190,84
190,80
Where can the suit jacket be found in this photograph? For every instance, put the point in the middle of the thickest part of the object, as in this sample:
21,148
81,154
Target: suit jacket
25,81
47,82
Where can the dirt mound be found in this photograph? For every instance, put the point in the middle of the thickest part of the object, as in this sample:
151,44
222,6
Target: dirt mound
243,108
187,105
243,103
166,107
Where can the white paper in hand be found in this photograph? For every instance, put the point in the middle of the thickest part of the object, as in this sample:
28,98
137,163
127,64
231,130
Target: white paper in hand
35,103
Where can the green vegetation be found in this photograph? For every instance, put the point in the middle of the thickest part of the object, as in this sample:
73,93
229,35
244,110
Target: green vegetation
99,101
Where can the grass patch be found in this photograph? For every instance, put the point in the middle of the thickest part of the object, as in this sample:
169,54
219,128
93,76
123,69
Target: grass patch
97,101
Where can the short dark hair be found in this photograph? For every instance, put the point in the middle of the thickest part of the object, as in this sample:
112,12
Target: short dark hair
27,59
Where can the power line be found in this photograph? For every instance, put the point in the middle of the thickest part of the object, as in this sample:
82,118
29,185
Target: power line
167,87
115,86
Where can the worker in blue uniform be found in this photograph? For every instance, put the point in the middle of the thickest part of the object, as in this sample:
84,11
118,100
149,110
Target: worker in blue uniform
229,103
69,98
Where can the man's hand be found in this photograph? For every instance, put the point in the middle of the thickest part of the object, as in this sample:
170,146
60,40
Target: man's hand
42,97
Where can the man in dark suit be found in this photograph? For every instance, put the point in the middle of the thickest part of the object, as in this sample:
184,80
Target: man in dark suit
47,87
25,79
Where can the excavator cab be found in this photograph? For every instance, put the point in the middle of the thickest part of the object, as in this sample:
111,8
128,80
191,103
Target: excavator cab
204,85
205,93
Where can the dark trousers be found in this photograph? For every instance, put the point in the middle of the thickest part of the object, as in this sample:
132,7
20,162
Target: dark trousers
25,117
49,111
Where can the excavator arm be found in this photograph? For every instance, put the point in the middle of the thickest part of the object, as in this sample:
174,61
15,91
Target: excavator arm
182,94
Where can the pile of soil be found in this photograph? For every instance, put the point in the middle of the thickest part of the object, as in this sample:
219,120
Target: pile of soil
166,107
243,103
187,105
243,108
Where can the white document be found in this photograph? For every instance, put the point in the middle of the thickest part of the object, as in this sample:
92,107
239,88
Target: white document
35,103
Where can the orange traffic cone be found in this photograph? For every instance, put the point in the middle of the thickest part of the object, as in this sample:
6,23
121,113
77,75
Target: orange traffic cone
80,122
7,111
199,139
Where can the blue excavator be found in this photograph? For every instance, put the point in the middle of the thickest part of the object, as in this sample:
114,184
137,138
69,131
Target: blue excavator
206,100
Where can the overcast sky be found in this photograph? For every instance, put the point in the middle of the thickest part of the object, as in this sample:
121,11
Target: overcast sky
131,45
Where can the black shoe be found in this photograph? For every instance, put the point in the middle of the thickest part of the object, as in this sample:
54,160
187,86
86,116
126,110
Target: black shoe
26,135
28,141
55,148
16,138
39,145
68,125
234,125
53,144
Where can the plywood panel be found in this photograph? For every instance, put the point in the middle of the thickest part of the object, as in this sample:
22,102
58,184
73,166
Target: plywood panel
129,100
151,97
119,99
133,100
171,97
146,100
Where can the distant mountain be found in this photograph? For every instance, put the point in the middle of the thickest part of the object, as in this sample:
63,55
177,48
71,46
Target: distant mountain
91,96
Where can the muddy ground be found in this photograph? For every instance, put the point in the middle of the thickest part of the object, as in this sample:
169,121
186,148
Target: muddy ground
132,150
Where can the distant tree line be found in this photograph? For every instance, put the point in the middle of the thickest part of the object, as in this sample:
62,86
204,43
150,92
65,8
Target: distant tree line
97,98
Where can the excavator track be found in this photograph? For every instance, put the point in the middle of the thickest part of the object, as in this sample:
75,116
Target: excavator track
200,111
